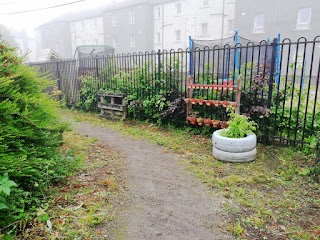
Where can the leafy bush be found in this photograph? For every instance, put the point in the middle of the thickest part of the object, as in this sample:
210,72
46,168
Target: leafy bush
88,95
30,133
151,98
239,126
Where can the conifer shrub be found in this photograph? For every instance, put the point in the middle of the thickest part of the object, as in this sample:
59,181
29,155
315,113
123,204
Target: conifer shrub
30,134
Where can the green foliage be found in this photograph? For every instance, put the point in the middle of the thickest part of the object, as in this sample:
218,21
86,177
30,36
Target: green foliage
286,116
148,97
239,126
88,95
30,134
5,189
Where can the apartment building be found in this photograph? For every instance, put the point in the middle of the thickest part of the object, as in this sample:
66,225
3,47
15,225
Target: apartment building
56,35
86,32
128,26
259,20
175,21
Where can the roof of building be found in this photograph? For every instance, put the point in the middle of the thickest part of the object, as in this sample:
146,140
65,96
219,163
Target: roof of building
48,55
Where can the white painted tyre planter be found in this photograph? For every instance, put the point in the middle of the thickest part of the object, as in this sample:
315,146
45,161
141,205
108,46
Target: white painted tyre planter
234,149
235,145
234,157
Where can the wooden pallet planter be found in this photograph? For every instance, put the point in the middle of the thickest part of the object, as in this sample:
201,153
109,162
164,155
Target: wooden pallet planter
190,101
112,105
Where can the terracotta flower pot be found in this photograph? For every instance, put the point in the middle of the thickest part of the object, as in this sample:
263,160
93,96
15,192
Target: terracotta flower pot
225,103
200,121
192,119
215,123
215,87
200,101
216,103
223,124
207,122
193,100
208,102
233,104
187,100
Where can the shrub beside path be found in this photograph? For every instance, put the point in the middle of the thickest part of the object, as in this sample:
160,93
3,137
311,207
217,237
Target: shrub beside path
164,200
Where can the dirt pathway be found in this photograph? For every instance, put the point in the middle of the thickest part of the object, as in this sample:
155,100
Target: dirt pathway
166,201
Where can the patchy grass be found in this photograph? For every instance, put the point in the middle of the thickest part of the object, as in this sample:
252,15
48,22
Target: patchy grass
270,198
82,207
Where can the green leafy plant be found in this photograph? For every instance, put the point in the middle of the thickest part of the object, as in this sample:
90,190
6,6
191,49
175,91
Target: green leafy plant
30,136
88,95
5,189
239,126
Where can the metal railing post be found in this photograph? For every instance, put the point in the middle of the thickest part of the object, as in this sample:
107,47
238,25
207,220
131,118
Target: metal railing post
272,70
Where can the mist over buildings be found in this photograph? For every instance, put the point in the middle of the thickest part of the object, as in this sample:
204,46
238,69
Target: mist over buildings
128,26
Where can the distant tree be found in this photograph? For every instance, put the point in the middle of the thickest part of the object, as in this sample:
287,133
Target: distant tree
7,36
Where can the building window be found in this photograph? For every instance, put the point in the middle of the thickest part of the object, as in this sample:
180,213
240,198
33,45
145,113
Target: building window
259,23
204,29
178,35
178,8
132,40
115,42
230,26
131,17
114,21
205,2
158,12
304,18
158,37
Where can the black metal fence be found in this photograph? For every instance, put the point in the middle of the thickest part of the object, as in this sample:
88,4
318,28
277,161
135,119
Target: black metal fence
280,81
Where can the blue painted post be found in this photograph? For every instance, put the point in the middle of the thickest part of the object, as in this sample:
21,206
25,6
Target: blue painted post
278,60
236,56
190,56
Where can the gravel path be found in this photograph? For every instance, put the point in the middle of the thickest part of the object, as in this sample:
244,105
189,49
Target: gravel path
165,201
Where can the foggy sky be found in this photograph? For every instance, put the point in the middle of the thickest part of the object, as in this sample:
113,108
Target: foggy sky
30,20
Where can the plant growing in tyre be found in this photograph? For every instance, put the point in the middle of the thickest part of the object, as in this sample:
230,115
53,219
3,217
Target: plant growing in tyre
238,142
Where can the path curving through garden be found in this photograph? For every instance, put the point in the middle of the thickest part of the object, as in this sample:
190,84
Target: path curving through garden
165,201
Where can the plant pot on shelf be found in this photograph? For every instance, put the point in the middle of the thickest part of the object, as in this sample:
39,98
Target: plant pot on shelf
215,123
223,124
215,87
200,121
192,120
207,122
233,104
200,101
216,103
187,100
225,103
193,101
208,102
